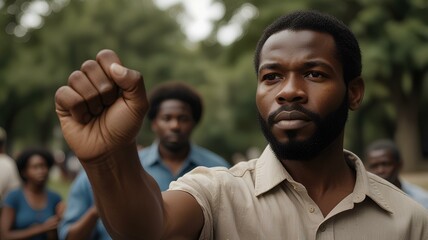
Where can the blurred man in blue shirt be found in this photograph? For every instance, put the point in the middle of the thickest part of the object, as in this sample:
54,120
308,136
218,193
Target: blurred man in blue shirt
175,110
383,158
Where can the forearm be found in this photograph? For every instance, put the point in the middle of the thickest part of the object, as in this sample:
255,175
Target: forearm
128,199
83,228
23,233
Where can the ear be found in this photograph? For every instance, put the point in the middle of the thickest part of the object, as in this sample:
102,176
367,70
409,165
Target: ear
355,93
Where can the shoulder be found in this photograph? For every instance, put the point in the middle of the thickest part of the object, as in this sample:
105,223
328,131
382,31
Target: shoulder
6,163
217,178
395,198
81,181
207,158
148,155
14,196
417,193
16,192
151,149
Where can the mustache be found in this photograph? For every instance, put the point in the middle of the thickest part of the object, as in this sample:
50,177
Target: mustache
293,107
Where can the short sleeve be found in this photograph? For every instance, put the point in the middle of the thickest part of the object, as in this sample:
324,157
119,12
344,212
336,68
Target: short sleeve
12,199
200,183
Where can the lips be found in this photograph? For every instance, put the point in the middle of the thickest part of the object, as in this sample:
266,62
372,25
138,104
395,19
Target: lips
291,120
290,116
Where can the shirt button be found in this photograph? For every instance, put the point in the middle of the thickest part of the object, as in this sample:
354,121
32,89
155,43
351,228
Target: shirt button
311,209
323,228
357,197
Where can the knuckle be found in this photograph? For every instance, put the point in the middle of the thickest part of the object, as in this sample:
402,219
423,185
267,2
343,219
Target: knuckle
60,93
74,78
89,65
105,53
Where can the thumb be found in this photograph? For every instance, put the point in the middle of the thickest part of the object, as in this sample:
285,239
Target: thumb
130,81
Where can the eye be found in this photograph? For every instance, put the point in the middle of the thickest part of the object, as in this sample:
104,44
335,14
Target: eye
271,77
165,118
315,75
184,118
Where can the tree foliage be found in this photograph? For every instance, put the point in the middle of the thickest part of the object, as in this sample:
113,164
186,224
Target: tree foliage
392,35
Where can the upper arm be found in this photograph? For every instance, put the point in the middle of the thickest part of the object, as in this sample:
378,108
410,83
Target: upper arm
7,219
184,218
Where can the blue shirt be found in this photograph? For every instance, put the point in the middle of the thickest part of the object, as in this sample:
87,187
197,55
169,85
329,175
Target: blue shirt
198,156
81,198
25,215
415,192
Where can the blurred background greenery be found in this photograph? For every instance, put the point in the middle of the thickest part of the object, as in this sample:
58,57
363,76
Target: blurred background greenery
37,59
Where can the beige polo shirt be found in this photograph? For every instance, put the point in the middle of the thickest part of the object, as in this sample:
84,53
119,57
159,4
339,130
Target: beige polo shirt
259,199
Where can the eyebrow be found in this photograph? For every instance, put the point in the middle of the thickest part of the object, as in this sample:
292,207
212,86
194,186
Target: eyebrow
269,66
316,63
308,64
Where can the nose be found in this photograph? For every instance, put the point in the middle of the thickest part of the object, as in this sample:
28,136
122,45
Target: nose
292,90
174,124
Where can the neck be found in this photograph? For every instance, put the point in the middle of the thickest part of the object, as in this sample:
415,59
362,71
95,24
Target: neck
397,183
34,188
174,159
327,178
173,156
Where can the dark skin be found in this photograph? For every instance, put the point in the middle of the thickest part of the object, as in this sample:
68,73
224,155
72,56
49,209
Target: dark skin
34,188
299,67
105,144
173,126
382,163
83,228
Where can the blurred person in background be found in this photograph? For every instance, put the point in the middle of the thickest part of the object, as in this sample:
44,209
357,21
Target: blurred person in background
175,110
383,158
33,211
9,178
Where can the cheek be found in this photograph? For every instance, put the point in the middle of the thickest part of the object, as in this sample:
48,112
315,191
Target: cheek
265,102
327,100
188,128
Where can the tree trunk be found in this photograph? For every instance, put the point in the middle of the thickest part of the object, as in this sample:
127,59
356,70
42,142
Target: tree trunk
407,137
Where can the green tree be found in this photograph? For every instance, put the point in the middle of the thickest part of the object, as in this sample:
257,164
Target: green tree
145,38
393,36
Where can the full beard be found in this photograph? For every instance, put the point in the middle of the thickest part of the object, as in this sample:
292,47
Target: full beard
327,130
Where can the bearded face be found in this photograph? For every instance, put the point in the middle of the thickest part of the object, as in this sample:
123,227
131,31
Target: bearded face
326,131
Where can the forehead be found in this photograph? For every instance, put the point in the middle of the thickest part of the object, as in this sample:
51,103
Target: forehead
35,159
380,155
300,45
171,106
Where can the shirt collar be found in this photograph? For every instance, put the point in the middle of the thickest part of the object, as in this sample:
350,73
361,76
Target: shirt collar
270,173
365,185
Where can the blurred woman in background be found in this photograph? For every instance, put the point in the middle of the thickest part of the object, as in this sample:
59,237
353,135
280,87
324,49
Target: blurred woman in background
32,211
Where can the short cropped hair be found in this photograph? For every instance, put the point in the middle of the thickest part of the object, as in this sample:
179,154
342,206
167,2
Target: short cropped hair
384,144
23,158
348,50
178,91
